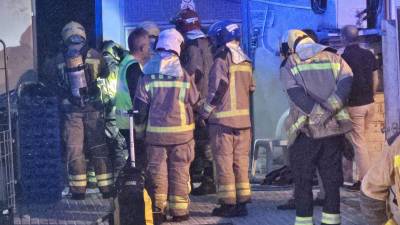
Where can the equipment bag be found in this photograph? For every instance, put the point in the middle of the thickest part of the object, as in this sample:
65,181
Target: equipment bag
133,205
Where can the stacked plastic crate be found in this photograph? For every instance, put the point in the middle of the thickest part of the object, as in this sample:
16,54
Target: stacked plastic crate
40,146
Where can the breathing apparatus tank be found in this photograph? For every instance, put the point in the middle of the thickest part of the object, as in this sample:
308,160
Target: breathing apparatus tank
76,73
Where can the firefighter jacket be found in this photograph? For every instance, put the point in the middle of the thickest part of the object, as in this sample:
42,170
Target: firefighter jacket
164,99
381,179
231,82
123,101
56,79
107,83
318,83
197,59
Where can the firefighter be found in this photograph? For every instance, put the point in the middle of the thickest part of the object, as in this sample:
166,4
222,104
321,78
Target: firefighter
318,83
227,109
164,100
379,182
153,31
130,71
197,59
72,76
113,54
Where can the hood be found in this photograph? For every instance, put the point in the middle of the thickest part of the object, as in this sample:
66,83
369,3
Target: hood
309,50
165,63
170,39
195,34
238,56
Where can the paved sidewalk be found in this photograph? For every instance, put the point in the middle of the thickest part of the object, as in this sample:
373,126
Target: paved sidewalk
261,211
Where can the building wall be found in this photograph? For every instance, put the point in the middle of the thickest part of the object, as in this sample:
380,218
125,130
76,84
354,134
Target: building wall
16,32
120,16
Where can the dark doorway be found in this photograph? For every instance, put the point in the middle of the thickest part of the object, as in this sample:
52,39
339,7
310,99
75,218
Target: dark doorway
52,15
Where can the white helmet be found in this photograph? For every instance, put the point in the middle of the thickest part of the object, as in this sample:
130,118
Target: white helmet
151,28
170,39
73,28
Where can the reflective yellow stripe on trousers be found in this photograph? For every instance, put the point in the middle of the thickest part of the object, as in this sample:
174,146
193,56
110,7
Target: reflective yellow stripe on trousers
178,202
243,189
227,191
78,180
232,93
104,179
182,93
329,218
304,221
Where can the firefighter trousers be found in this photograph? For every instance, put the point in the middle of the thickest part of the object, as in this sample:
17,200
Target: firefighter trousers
307,154
168,173
86,131
201,169
117,145
231,154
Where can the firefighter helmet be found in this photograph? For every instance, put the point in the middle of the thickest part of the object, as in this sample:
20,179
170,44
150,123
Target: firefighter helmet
230,31
170,40
114,50
295,37
73,29
214,32
151,28
186,20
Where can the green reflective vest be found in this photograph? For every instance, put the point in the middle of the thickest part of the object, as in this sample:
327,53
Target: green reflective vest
123,101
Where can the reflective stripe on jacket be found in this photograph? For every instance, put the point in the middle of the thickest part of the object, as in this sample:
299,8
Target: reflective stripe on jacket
230,106
123,101
318,76
170,99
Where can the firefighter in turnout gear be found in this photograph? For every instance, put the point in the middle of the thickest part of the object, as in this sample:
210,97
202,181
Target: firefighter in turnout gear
130,71
197,59
72,76
113,54
318,83
164,99
382,179
227,109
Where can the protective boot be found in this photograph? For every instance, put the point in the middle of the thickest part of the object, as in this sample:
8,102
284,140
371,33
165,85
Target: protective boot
241,210
158,216
225,211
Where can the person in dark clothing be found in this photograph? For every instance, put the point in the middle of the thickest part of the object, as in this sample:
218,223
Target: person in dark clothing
361,99
197,60
130,71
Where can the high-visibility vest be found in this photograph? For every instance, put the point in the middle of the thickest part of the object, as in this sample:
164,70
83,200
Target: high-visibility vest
123,101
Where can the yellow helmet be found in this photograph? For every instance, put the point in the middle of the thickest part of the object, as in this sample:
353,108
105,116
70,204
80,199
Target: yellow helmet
151,28
295,37
73,28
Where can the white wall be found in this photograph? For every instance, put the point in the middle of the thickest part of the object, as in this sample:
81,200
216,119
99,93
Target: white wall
113,21
16,32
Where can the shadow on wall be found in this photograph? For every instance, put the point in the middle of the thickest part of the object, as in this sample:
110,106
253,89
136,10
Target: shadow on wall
19,63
